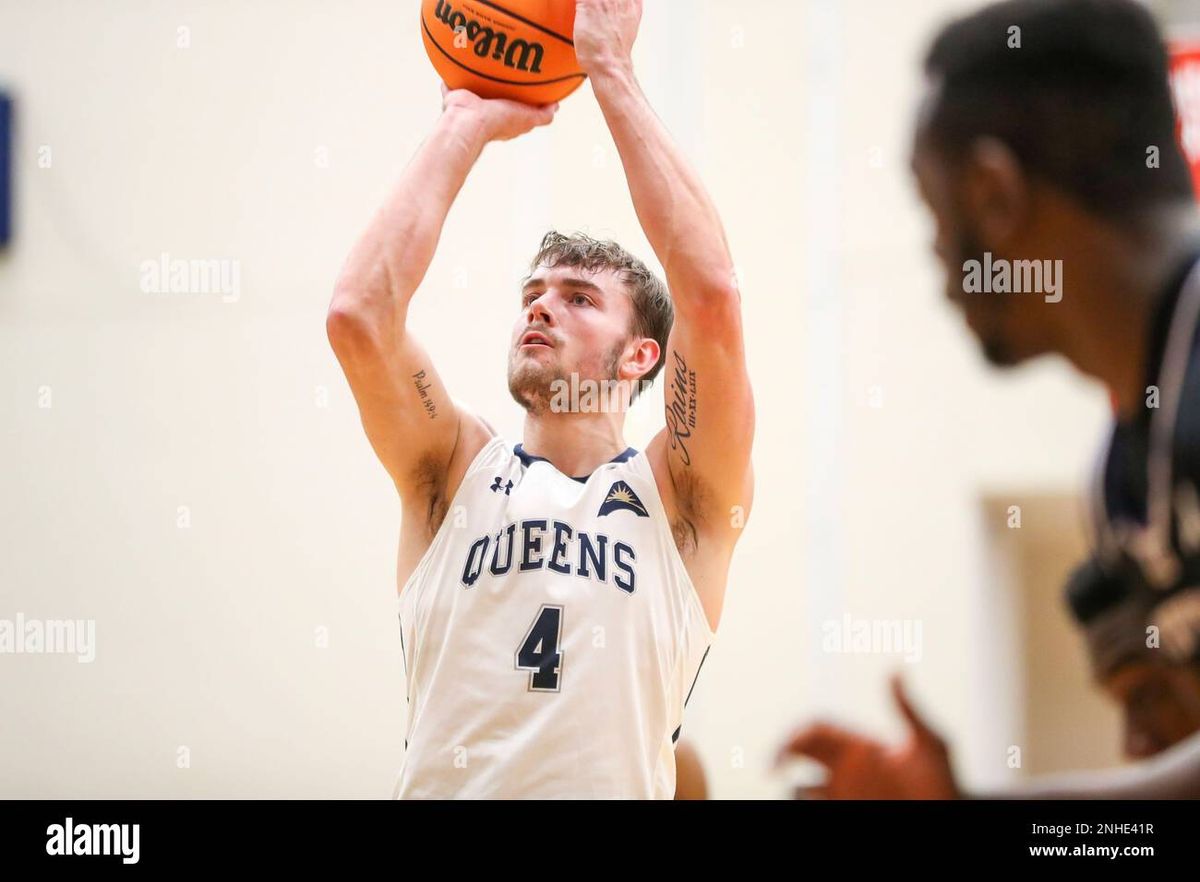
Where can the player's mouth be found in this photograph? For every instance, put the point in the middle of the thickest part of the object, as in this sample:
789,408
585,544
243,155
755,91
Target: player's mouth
533,338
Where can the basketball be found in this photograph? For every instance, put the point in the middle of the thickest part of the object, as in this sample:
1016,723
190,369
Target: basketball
517,49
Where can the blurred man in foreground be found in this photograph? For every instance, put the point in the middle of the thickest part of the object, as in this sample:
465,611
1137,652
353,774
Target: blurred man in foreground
1066,224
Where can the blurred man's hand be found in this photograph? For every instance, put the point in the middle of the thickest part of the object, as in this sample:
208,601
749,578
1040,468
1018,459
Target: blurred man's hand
858,767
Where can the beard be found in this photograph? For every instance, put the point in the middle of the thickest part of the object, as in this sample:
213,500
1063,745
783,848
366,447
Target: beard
533,382
995,348
997,353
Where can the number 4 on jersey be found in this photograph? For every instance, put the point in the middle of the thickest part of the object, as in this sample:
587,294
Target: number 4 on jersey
539,650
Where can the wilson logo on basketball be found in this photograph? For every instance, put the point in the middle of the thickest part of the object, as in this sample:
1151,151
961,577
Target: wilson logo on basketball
516,49
517,54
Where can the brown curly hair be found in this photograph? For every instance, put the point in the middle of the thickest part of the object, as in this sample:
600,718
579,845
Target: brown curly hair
653,311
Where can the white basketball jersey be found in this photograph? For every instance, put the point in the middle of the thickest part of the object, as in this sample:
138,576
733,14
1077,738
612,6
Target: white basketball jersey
551,637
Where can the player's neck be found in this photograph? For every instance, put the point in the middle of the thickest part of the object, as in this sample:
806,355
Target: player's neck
575,443
1109,337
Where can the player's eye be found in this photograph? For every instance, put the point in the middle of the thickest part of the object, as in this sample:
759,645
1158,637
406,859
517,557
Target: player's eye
581,297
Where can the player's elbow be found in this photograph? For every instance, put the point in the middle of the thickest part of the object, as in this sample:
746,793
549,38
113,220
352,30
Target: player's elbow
348,325
715,311
361,313
341,324
354,312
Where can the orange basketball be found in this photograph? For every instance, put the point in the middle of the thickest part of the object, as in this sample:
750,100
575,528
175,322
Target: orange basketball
518,49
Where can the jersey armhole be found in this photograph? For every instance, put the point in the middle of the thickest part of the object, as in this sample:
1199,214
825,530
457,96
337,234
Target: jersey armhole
484,455
664,528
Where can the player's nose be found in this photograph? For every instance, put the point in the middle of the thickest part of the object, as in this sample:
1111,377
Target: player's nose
539,312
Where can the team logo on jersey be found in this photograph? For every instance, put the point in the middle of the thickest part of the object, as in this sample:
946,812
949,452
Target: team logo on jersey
621,496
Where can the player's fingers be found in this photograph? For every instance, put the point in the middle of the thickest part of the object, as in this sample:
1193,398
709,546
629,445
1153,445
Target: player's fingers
823,742
915,721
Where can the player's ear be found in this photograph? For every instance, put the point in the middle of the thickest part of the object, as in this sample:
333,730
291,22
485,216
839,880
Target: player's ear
641,356
995,191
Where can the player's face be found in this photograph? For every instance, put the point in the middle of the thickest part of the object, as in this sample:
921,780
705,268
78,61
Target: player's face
1008,327
1161,705
571,322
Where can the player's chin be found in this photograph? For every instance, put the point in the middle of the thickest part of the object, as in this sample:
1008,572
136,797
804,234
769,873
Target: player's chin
529,380
997,351
999,354
533,396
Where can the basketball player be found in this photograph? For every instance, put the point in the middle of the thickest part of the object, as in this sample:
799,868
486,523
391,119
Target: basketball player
1048,133
557,595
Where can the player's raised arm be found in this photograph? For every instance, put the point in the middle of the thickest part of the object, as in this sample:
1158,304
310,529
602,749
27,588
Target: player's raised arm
709,407
408,415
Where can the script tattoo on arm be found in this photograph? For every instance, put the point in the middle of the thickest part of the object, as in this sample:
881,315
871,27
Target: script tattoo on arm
423,391
681,408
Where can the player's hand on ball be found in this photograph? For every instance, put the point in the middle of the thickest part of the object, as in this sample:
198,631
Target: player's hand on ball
605,31
498,119
859,767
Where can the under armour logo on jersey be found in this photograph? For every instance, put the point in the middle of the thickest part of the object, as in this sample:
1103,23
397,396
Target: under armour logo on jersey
621,496
495,488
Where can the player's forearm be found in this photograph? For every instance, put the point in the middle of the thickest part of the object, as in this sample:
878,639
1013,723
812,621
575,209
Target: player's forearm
1174,774
675,211
1074,785
391,258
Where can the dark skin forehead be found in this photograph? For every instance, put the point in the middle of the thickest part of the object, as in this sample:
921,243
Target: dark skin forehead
927,162
925,110
919,164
